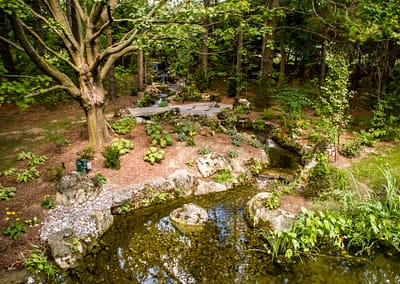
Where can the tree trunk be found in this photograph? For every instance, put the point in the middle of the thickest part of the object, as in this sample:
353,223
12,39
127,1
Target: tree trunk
5,47
141,69
267,51
92,102
97,126
204,58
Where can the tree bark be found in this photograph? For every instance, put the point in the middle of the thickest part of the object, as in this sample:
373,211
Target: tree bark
111,73
141,69
267,51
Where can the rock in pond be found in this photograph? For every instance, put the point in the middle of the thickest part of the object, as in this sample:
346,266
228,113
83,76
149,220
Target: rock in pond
258,216
189,218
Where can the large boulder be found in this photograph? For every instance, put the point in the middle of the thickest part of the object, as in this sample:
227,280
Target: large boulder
212,163
67,248
189,218
184,182
75,189
258,216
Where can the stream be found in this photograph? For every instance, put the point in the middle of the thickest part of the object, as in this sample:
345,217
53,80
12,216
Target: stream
144,247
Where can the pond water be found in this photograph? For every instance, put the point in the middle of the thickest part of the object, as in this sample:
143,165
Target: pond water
144,247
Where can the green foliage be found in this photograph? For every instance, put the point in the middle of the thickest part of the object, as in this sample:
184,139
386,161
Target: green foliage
255,143
32,158
257,167
335,96
100,178
241,109
204,150
48,202
275,200
386,120
58,138
123,125
186,131
123,145
159,135
145,101
320,182
259,124
111,155
223,176
163,103
27,175
37,262
7,192
350,148
55,174
125,208
292,102
358,227
87,153
15,226
200,80
153,155
9,171
237,139
233,153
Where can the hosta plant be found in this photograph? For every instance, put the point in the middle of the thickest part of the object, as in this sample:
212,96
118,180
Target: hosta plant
153,155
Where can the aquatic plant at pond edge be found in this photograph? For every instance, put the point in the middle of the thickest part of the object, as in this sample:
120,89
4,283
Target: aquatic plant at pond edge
370,222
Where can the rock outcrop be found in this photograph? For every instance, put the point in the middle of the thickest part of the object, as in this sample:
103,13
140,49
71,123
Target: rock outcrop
258,216
188,218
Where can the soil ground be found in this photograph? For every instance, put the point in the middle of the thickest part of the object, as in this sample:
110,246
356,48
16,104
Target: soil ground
26,131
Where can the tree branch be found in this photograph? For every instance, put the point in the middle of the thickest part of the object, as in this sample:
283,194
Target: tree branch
41,92
12,43
42,64
56,54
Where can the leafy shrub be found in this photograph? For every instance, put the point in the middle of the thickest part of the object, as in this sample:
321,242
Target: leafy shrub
163,103
386,120
275,200
350,148
87,153
320,181
27,175
158,135
146,100
111,155
47,202
15,227
259,124
100,178
123,125
32,158
153,155
58,138
7,192
55,174
204,150
233,154
222,176
255,143
200,79
123,145
37,262
9,171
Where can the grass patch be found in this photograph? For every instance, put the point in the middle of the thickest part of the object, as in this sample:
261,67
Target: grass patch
369,170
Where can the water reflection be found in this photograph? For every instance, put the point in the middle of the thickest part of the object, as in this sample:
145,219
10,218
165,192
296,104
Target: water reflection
146,248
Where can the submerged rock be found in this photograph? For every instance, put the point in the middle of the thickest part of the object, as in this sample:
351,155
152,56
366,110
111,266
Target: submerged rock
189,218
206,187
258,216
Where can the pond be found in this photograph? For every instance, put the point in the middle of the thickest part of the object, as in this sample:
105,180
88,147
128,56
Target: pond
144,247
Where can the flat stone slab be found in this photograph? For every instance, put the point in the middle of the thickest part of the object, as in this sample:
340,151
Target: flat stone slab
207,108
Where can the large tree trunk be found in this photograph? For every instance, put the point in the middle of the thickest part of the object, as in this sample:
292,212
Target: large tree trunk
97,126
267,52
5,52
92,101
